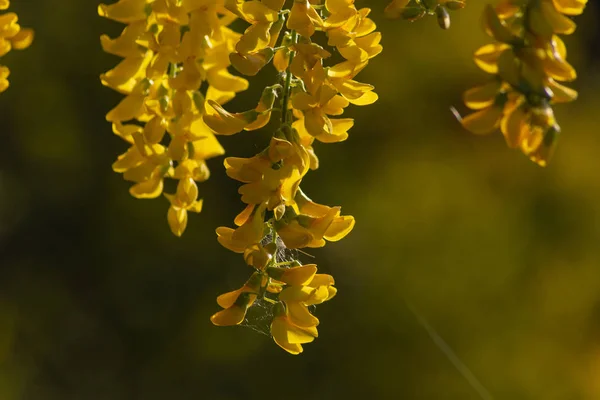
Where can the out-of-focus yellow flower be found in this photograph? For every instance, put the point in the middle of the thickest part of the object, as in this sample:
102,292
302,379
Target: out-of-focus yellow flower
175,62
528,61
412,10
185,199
12,36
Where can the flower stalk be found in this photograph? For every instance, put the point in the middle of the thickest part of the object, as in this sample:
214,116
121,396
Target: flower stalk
279,219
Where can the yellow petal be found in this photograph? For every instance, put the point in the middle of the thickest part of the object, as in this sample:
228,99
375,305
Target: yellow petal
297,276
299,315
487,57
279,332
125,11
222,80
23,39
570,7
484,121
303,18
482,96
339,228
255,38
231,316
250,64
496,27
513,125
562,94
227,300
225,238
177,218
225,123
129,108
149,189
293,294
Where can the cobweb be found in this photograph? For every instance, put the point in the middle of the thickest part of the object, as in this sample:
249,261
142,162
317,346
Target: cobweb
260,315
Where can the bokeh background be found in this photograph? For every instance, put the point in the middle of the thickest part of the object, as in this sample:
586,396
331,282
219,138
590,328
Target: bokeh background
98,300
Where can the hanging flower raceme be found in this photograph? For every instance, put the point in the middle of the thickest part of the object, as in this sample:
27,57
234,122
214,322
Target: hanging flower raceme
309,98
175,61
12,36
527,61
413,10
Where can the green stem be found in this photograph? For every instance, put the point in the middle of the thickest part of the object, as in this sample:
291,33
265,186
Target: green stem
288,83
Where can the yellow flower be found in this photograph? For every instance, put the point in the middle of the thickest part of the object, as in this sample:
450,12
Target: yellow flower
251,232
250,64
236,303
303,18
12,36
271,177
310,228
184,199
308,94
170,49
320,101
319,290
288,331
293,324
226,123
254,48
295,276
146,165
307,55
528,67
259,256
570,7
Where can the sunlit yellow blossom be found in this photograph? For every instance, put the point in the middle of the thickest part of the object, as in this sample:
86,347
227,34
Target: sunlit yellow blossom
254,48
271,177
249,233
309,98
293,324
303,18
12,36
310,230
236,303
170,49
528,61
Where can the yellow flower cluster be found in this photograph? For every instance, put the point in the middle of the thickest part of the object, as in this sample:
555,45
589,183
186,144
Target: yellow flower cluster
175,60
528,61
12,36
309,98
413,10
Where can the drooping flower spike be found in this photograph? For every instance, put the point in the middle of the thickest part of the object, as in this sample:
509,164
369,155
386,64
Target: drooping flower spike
413,10
308,99
527,61
175,61
12,36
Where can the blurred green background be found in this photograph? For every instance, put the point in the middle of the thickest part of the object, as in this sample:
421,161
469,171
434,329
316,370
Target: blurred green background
98,300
